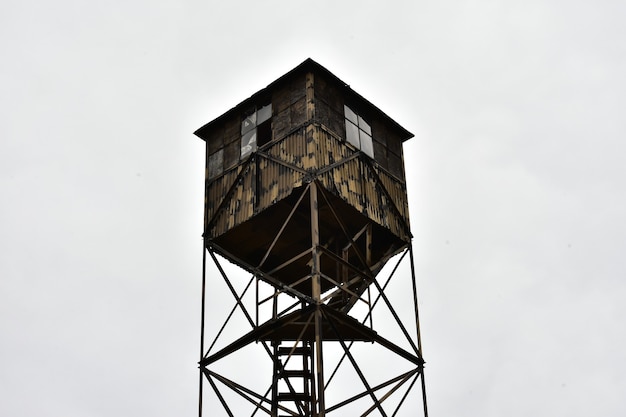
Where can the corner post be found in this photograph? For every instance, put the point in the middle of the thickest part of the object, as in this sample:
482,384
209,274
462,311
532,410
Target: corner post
316,295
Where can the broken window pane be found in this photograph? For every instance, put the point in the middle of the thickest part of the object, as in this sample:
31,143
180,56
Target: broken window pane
248,143
263,114
248,123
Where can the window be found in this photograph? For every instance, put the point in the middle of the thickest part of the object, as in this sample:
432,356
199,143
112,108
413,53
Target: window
216,163
358,132
256,129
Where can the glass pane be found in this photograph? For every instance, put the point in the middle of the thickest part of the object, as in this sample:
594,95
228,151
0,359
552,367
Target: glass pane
263,114
248,123
350,115
366,144
352,134
248,143
216,163
365,126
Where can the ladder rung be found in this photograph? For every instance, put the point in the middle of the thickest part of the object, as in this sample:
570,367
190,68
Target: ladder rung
296,373
297,396
296,351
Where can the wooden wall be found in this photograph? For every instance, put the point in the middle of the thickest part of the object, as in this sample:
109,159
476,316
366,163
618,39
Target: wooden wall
308,131
272,175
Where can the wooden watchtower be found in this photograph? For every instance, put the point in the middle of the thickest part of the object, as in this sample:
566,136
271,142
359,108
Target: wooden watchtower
306,190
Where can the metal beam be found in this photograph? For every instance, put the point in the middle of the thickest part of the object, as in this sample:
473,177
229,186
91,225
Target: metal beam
316,292
357,368
402,378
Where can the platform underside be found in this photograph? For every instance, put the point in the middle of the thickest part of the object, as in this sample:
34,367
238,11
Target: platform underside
278,243
299,326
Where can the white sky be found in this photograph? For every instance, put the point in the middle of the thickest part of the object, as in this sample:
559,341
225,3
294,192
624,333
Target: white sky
516,184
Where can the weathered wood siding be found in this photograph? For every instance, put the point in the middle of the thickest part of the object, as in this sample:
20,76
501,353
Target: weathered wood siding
271,176
359,182
308,141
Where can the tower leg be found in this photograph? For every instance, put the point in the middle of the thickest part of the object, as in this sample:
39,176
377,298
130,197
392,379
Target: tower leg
316,295
319,365
304,377
417,327
202,326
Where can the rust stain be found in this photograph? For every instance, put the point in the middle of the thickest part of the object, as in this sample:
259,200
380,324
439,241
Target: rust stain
310,148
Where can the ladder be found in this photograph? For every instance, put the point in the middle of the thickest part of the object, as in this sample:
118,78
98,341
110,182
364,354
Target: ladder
293,386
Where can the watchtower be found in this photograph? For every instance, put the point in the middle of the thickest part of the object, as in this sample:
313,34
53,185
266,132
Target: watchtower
306,191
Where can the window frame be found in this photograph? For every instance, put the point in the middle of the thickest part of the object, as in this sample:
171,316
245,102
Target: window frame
251,123
358,131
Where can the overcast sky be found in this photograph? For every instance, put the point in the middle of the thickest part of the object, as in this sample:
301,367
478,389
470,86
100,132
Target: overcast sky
516,185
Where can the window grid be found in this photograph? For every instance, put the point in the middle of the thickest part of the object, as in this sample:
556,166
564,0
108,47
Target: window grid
358,132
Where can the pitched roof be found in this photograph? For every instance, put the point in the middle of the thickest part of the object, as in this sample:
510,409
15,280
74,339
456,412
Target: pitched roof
308,65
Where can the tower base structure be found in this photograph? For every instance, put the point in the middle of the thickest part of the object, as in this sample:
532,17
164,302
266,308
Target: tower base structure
348,346
309,301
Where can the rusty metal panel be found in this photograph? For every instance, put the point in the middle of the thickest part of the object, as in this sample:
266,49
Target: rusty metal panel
310,96
238,205
397,191
256,191
311,148
217,191
347,179
309,161
292,149
355,183
372,199
390,198
326,179
331,149
276,181
245,209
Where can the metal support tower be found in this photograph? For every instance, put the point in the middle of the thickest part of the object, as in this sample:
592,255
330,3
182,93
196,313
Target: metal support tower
295,338
305,194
